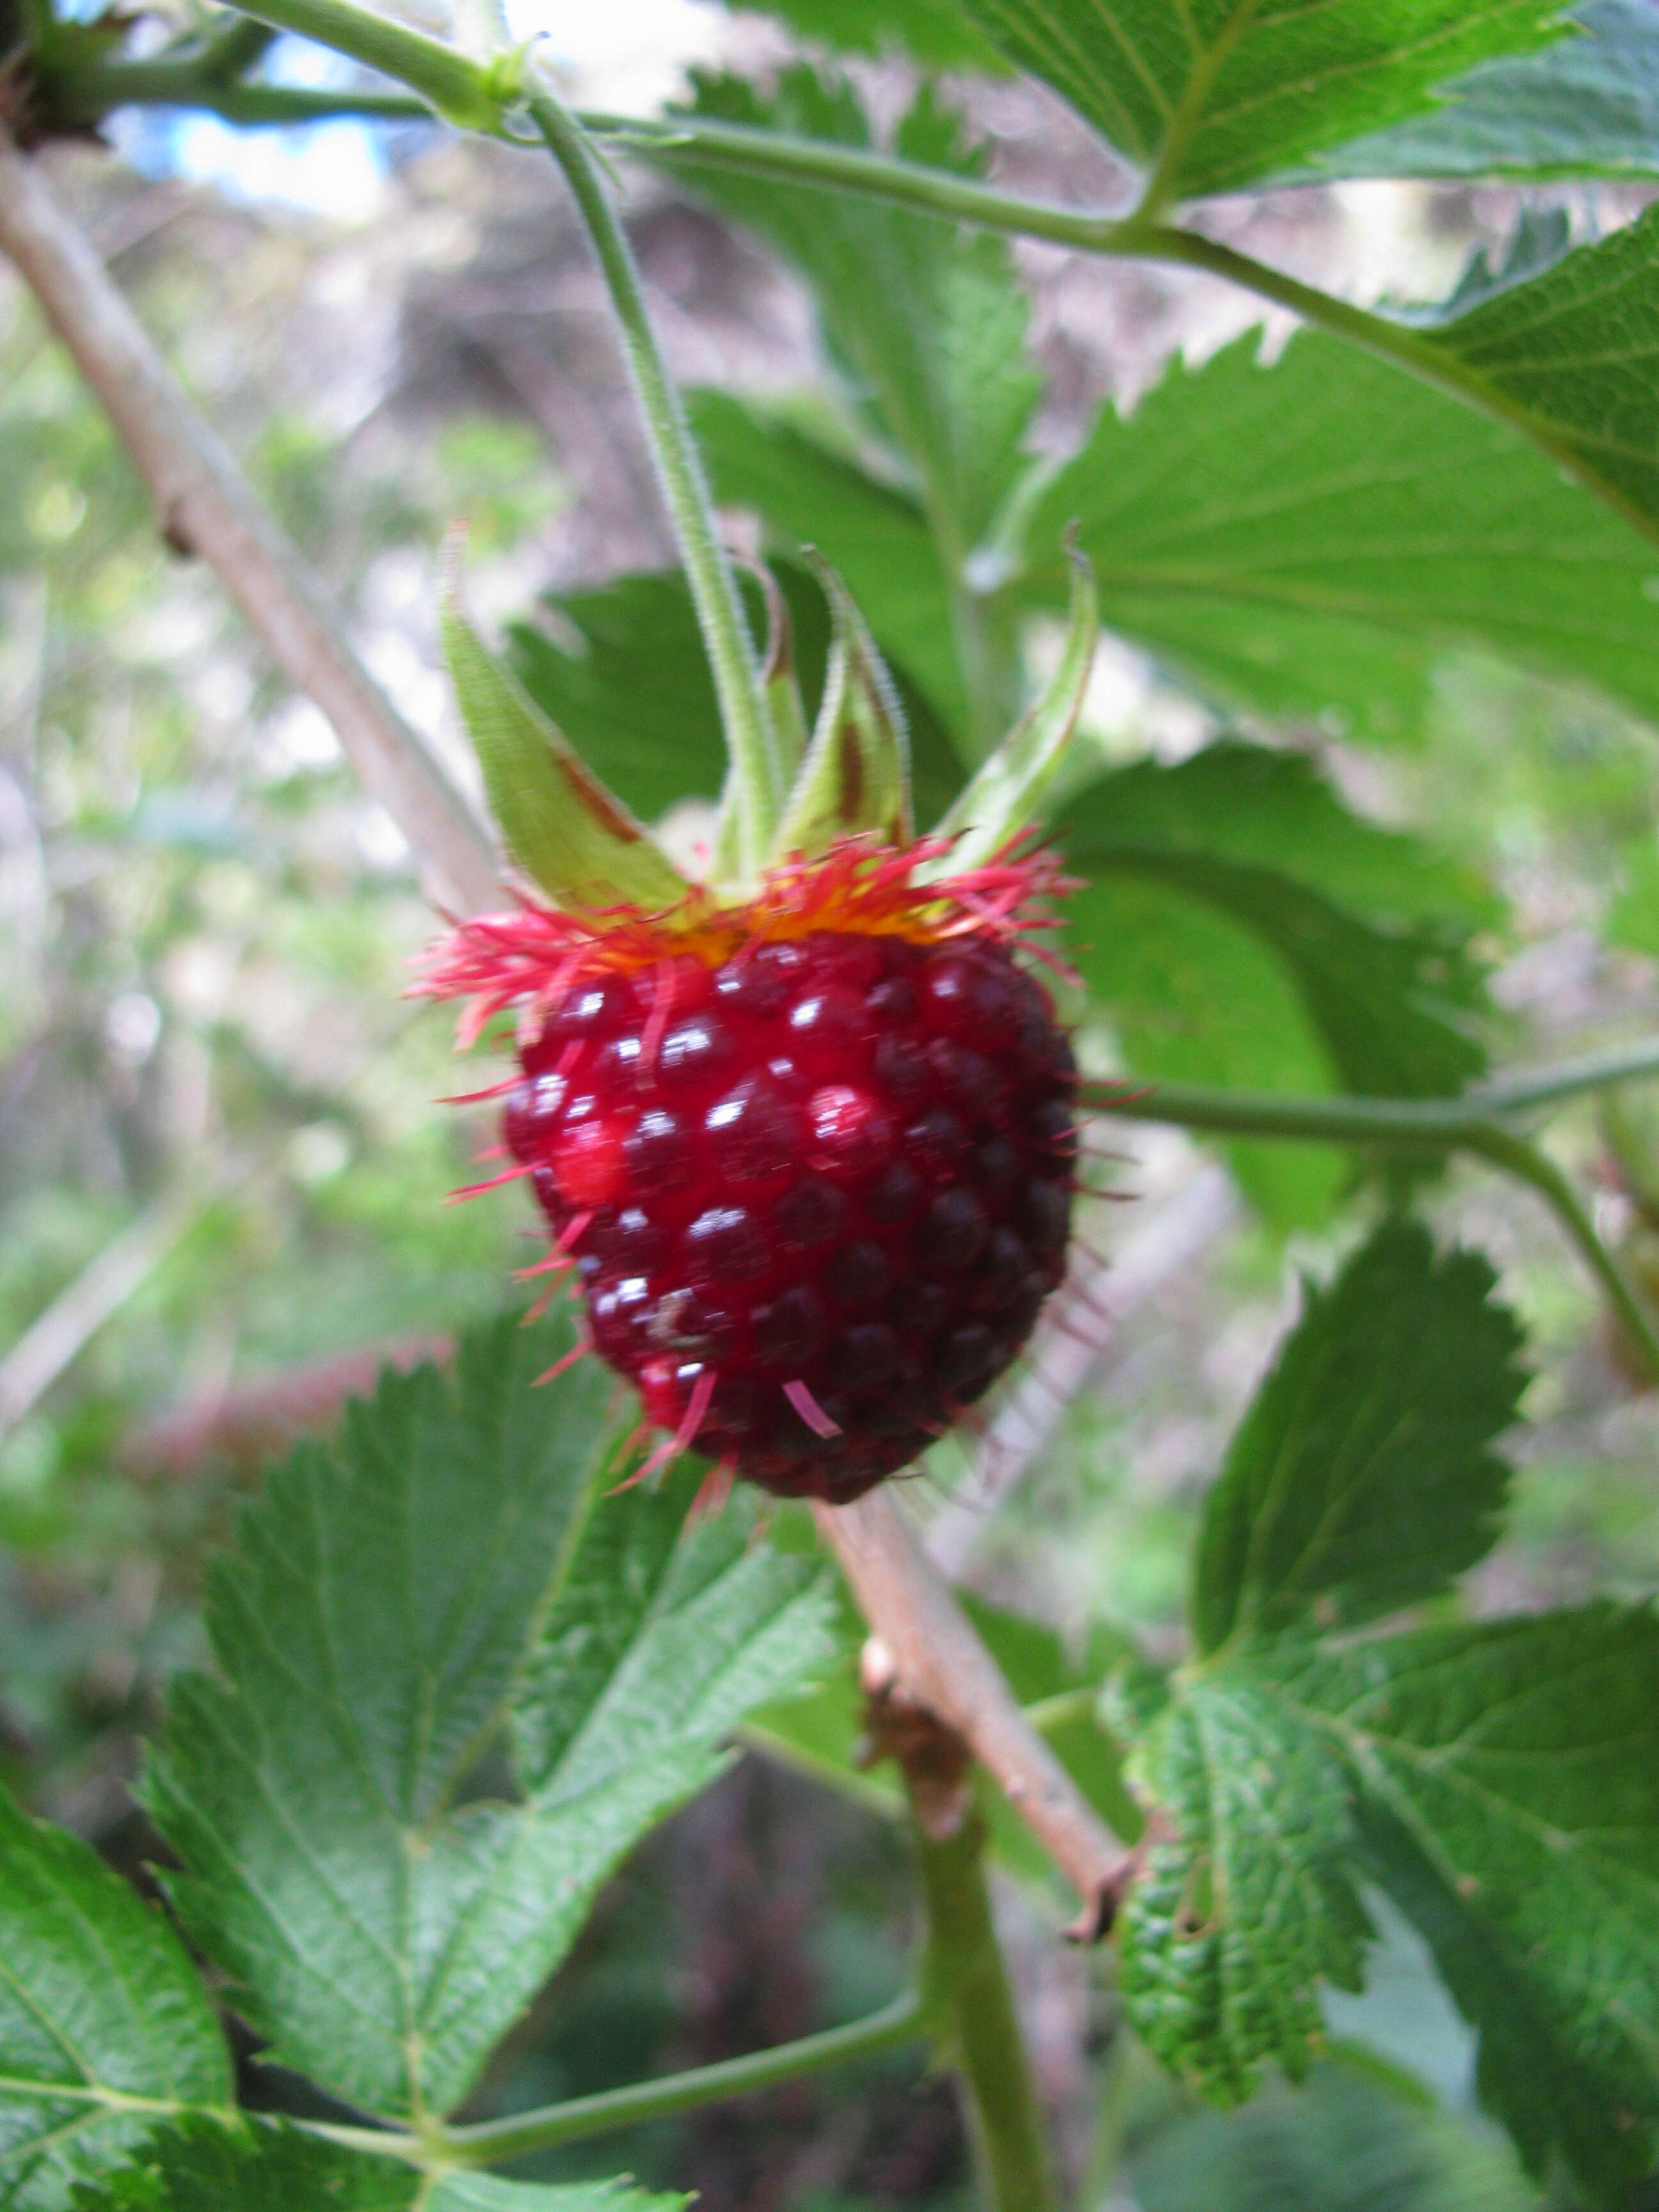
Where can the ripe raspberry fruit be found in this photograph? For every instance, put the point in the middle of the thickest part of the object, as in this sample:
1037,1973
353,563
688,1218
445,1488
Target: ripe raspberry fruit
817,1185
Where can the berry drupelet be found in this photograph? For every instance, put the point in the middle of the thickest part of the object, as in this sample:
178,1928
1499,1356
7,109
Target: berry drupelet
816,1181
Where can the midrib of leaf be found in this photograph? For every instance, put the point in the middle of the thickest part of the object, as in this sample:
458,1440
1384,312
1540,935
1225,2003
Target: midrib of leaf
413,2040
1189,109
494,1720
91,2092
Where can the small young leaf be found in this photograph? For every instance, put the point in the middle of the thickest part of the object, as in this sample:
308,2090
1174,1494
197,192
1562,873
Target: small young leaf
1246,1896
1305,539
1362,1479
855,779
1003,794
270,2166
104,2027
1215,94
1587,107
560,825
1510,1772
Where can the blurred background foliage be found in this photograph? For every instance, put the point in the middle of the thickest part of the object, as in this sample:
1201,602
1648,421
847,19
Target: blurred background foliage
223,1165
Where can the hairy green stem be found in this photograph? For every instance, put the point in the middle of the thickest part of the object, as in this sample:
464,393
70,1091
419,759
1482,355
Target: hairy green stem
1436,1123
235,46
757,773
473,95
1472,1123
980,2030
84,98
492,2143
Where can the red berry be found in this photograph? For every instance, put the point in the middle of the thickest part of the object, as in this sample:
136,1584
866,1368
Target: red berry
819,1192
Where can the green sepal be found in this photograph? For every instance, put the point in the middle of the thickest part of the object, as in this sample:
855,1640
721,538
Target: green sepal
1003,795
557,820
855,779
779,679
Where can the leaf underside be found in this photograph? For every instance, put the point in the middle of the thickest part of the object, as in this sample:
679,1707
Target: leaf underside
1212,95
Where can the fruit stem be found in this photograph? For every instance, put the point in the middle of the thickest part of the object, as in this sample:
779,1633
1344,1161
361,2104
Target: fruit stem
756,772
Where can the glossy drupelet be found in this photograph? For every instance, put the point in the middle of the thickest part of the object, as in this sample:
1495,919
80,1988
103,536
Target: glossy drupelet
817,1195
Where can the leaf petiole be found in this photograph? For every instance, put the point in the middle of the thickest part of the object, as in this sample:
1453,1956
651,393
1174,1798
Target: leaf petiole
907,2020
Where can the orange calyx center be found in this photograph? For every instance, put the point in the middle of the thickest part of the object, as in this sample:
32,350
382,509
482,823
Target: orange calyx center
531,957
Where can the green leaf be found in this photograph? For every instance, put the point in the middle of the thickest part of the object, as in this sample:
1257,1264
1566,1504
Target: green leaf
855,779
1193,998
104,2024
635,697
925,317
1246,1898
1509,1772
369,1628
1214,94
1346,2140
1575,353
1633,918
1362,1478
560,825
932,31
1003,794
1206,932
927,322
1303,538
386,1903
266,2165
1259,806
663,1637
1586,106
